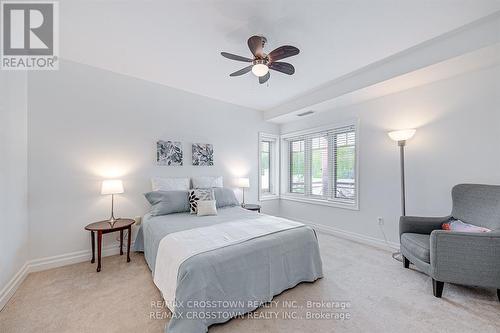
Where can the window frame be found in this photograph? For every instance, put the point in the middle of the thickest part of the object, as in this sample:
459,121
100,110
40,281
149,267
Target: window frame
328,200
274,167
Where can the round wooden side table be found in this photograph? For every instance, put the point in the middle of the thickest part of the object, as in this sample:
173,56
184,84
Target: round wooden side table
253,207
105,227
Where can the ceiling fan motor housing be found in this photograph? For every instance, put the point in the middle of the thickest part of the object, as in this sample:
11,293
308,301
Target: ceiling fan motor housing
264,61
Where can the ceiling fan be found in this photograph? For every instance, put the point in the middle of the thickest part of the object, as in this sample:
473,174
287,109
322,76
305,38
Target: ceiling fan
262,62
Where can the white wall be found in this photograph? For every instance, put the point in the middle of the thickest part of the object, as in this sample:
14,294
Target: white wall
457,140
13,175
87,124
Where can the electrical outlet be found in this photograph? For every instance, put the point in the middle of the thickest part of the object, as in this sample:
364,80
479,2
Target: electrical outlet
380,220
138,220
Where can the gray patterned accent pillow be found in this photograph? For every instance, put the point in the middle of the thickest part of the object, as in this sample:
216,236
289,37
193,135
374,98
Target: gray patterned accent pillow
199,194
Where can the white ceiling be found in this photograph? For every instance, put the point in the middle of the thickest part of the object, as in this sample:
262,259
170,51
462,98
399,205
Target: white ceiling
178,43
483,58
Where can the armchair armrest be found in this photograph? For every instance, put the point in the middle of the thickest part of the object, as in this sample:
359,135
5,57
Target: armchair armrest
420,225
466,258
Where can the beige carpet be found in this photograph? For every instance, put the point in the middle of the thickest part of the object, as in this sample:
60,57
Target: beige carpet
381,295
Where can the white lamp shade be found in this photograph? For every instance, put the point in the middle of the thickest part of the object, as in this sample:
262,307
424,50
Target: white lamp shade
113,186
402,135
243,182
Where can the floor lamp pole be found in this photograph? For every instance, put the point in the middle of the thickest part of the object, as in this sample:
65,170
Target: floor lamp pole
401,145
400,137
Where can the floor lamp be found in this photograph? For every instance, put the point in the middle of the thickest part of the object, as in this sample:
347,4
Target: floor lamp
401,137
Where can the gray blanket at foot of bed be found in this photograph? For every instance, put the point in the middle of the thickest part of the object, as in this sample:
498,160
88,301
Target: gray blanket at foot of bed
215,286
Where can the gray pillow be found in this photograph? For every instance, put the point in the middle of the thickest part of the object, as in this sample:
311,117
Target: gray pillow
225,197
168,202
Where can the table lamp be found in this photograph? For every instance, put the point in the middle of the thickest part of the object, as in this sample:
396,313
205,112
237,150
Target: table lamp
112,186
243,183
401,137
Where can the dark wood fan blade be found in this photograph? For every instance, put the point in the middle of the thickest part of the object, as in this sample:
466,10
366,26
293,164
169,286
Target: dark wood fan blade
282,67
255,44
242,71
235,57
283,52
263,79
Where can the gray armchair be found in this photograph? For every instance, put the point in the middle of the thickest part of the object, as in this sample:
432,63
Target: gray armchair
457,257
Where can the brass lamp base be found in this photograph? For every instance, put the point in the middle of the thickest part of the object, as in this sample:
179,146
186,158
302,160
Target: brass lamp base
112,220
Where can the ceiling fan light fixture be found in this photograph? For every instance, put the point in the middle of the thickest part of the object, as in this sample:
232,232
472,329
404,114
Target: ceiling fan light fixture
260,70
262,62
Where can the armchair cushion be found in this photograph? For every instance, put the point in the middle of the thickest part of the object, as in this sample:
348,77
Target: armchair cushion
416,244
420,225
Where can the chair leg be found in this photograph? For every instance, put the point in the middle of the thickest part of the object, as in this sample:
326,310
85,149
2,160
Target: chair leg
498,294
437,288
406,262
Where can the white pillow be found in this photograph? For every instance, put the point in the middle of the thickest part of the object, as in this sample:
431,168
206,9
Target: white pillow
170,184
207,182
207,207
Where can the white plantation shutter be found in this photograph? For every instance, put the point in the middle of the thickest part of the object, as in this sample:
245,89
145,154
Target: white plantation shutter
297,166
322,165
318,165
343,160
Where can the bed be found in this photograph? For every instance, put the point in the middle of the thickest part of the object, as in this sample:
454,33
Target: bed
230,278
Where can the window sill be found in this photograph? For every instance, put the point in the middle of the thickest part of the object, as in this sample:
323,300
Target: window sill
267,197
320,202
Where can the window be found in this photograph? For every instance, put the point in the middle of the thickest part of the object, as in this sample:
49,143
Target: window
297,159
268,166
322,166
319,165
265,166
344,150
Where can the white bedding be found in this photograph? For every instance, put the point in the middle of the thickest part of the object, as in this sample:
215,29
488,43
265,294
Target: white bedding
177,247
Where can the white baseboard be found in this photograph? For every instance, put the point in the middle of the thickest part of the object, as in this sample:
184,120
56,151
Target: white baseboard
368,240
8,291
42,264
